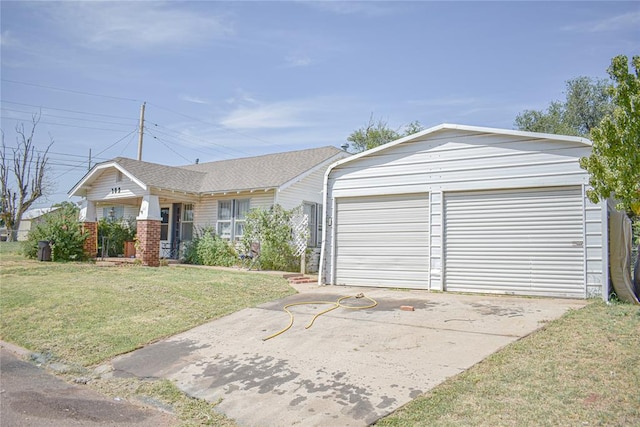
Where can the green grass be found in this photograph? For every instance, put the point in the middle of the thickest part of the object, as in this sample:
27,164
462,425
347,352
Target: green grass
82,314
581,370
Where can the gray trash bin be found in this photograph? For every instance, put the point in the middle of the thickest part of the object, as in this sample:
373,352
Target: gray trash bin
44,250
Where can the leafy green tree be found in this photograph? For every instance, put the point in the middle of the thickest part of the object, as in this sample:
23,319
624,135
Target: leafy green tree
62,229
614,163
377,133
587,102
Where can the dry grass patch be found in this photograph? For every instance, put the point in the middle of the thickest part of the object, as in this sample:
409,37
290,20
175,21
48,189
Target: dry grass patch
580,370
165,395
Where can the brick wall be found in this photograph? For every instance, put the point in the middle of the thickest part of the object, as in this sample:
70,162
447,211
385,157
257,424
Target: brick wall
91,244
148,248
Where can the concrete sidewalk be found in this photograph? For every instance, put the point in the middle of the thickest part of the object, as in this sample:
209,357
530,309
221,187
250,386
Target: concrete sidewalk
351,367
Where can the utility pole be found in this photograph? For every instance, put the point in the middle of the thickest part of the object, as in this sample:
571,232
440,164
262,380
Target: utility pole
141,131
89,168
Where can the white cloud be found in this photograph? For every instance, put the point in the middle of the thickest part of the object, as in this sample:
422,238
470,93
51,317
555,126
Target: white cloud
276,115
287,114
443,102
625,21
194,100
294,61
362,8
242,97
7,39
139,25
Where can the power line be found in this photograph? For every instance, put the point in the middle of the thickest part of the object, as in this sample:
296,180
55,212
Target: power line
79,92
166,145
222,128
216,125
187,138
127,144
66,117
71,126
58,153
118,141
110,146
69,111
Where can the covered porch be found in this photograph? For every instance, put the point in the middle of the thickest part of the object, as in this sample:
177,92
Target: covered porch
162,224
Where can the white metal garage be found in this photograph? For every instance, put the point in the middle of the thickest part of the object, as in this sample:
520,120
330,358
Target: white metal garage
465,208
523,241
385,234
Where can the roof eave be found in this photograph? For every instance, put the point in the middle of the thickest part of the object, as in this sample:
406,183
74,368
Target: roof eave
449,126
101,166
239,191
324,164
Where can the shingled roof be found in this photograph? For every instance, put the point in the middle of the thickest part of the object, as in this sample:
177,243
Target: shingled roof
267,171
162,176
249,173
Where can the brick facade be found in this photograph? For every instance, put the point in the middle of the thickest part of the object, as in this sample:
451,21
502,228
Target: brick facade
91,244
148,248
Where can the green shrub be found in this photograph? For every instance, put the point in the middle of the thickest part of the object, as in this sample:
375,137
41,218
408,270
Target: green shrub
272,229
207,248
62,229
190,252
115,233
212,250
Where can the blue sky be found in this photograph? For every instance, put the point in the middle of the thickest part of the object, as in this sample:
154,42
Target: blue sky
233,79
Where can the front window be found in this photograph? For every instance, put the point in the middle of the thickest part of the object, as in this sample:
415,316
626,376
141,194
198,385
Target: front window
232,215
187,222
164,224
314,215
113,213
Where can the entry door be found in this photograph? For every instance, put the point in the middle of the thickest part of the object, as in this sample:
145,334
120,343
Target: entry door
165,242
175,229
524,241
383,241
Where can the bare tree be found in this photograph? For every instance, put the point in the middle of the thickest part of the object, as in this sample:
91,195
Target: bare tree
22,173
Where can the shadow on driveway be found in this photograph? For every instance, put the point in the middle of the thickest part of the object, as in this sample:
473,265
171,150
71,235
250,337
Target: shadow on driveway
351,367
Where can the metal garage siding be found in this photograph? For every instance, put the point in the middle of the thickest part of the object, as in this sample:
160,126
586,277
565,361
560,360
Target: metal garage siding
527,242
383,241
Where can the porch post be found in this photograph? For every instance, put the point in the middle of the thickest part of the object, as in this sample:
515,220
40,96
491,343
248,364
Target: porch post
89,221
148,231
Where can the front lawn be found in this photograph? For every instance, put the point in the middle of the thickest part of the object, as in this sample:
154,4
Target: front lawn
580,370
84,314
81,315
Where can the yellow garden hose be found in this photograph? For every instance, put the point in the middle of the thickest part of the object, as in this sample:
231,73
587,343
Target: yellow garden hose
335,305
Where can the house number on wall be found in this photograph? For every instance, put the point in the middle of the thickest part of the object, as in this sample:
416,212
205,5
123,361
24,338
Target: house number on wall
115,190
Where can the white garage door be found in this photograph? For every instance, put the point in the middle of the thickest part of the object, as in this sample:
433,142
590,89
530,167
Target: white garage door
383,241
527,242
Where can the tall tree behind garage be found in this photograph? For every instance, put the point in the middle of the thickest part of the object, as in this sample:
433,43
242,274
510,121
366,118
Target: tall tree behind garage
22,171
614,165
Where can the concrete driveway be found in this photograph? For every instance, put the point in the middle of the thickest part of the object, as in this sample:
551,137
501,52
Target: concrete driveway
351,367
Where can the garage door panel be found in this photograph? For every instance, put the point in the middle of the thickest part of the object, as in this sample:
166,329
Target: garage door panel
396,228
391,278
383,241
517,241
399,251
381,216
